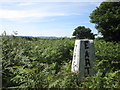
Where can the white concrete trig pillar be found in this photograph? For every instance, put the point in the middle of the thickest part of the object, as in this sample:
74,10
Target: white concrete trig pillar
83,58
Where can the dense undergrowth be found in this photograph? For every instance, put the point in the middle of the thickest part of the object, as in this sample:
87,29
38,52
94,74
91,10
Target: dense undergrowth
47,64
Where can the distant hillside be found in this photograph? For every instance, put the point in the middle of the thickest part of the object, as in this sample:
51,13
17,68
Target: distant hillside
43,37
40,37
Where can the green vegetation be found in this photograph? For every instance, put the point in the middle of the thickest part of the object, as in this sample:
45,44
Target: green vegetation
83,33
47,64
107,20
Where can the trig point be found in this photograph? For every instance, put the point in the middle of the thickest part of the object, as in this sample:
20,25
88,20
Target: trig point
83,57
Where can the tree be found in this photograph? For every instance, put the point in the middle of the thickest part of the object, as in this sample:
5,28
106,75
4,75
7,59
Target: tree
107,20
83,33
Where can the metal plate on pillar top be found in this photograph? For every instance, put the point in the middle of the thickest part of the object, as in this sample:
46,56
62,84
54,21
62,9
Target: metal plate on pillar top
83,57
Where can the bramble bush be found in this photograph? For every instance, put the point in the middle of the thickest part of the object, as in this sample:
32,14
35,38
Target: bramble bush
46,63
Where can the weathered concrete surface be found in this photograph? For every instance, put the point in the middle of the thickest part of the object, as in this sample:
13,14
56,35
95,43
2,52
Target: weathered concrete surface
83,57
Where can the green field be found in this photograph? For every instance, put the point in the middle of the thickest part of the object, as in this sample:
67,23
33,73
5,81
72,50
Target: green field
47,64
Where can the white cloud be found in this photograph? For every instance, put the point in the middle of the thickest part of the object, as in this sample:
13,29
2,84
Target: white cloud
28,10
97,4
26,3
37,12
52,0
16,14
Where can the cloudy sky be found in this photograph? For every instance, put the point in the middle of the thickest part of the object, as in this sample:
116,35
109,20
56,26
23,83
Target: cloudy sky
45,18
